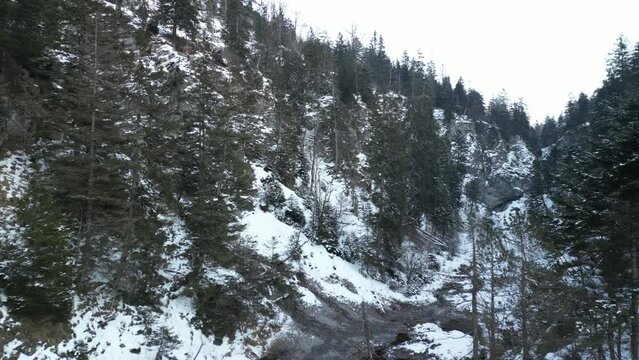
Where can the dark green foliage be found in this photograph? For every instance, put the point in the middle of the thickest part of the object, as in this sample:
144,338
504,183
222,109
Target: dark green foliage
549,133
216,180
461,98
475,105
434,175
539,215
499,114
287,160
178,14
346,67
378,64
599,185
390,171
520,123
220,309
577,112
237,26
326,225
473,190
445,98
27,28
40,280
317,54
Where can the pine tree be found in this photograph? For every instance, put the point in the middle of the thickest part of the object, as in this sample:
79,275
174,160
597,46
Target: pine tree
389,170
519,226
237,25
520,123
549,133
489,243
27,28
499,114
577,113
472,229
345,65
178,14
423,144
600,188
86,172
461,98
475,105
40,278
445,98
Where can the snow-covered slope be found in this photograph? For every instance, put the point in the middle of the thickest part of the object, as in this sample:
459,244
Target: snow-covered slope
329,296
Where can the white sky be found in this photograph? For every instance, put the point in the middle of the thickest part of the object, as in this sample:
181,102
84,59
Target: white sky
544,51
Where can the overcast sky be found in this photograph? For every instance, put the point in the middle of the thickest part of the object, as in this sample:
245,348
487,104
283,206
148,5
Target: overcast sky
544,51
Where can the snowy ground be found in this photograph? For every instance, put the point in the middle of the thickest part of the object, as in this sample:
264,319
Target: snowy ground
107,330
431,339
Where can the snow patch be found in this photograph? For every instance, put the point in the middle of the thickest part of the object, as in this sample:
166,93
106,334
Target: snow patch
444,344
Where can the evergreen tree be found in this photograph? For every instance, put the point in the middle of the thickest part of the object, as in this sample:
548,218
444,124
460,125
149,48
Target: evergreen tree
577,113
520,123
489,241
178,14
345,65
423,144
378,64
499,114
519,225
39,280
600,188
461,98
237,19
549,133
475,105
389,170
445,98
27,28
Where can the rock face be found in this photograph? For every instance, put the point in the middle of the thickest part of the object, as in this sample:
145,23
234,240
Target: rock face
502,167
507,174
498,192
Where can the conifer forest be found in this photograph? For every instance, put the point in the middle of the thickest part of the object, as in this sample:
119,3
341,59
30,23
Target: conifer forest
199,179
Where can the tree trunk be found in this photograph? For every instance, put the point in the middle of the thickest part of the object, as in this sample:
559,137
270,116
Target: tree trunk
370,353
492,344
634,322
87,252
130,227
524,302
611,337
475,290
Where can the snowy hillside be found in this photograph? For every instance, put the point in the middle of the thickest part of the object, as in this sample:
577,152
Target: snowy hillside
321,283
194,179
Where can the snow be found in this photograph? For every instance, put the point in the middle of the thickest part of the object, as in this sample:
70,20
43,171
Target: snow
4,312
449,267
518,163
308,297
177,247
334,276
11,348
111,330
14,171
444,344
221,276
124,334
550,204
